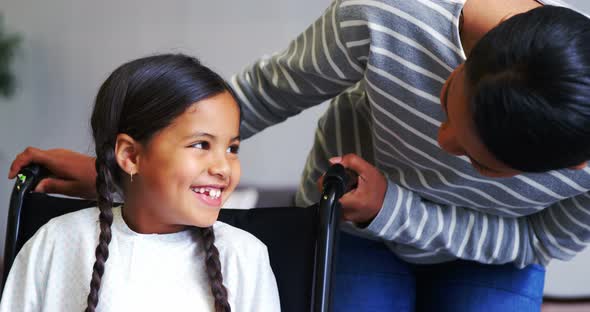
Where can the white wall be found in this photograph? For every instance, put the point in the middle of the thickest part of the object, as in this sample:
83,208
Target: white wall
69,47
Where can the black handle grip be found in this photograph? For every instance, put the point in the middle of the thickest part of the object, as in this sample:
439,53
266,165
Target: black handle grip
343,179
337,181
26,180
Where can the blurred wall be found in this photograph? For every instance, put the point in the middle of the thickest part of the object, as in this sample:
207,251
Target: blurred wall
69,48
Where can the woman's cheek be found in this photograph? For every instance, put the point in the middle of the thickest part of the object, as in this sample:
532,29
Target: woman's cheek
447,140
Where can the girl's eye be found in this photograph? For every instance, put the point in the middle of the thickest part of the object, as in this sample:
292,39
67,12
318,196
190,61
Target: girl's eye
201,145
233,149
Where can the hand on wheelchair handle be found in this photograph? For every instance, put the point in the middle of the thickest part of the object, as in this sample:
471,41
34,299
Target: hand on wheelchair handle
364,199
343,179
352,180
72,173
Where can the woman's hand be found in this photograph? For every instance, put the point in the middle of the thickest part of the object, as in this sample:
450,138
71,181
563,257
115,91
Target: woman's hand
362,204
73,174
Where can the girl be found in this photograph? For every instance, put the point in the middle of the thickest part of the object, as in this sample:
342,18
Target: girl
166,131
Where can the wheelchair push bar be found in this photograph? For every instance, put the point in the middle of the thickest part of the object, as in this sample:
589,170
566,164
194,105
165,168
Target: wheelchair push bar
26,181
337,182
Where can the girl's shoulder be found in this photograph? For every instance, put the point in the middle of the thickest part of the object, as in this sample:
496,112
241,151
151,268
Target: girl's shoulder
60,236
73,226
231,238
80,219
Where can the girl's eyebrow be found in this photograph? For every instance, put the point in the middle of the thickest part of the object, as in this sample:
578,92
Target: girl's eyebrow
208,135
199,134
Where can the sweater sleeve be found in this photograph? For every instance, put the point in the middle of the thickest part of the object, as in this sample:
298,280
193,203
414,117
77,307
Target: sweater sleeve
315,67
559,231
261,292
25,287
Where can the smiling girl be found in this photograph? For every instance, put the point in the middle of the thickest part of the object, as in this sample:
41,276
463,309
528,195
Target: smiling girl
166,130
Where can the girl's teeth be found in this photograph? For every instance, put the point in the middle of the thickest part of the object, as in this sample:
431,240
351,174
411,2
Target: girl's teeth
213,193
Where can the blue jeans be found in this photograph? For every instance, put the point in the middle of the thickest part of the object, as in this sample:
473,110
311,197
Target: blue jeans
369,277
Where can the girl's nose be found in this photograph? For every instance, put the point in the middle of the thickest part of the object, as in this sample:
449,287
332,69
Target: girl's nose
220,166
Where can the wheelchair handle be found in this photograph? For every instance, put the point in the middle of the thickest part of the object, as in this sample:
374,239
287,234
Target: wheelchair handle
29,176
26,180
337,182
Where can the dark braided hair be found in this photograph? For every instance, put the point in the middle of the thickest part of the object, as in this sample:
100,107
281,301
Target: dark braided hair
213,269
139,99
105,203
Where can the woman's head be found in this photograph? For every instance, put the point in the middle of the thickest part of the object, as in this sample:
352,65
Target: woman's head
521,102
173,124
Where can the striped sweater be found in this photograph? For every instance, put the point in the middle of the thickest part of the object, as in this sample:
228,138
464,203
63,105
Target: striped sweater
382,64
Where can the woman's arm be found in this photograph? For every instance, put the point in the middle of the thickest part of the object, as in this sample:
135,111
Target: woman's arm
315,67
384,209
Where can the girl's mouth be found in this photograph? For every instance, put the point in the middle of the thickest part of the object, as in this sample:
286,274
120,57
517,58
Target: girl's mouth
209,195
213,193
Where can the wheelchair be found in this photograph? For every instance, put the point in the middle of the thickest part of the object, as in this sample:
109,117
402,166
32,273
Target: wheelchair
301,241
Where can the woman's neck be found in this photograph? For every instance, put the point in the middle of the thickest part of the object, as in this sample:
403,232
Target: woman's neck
480,16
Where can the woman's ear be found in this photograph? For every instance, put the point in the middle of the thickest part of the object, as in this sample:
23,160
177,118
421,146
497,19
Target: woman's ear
580,166
126,153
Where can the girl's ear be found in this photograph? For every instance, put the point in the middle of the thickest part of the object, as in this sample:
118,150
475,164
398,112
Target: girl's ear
127,152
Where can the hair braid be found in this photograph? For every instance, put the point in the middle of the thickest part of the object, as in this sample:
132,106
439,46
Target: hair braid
213,268
105,188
